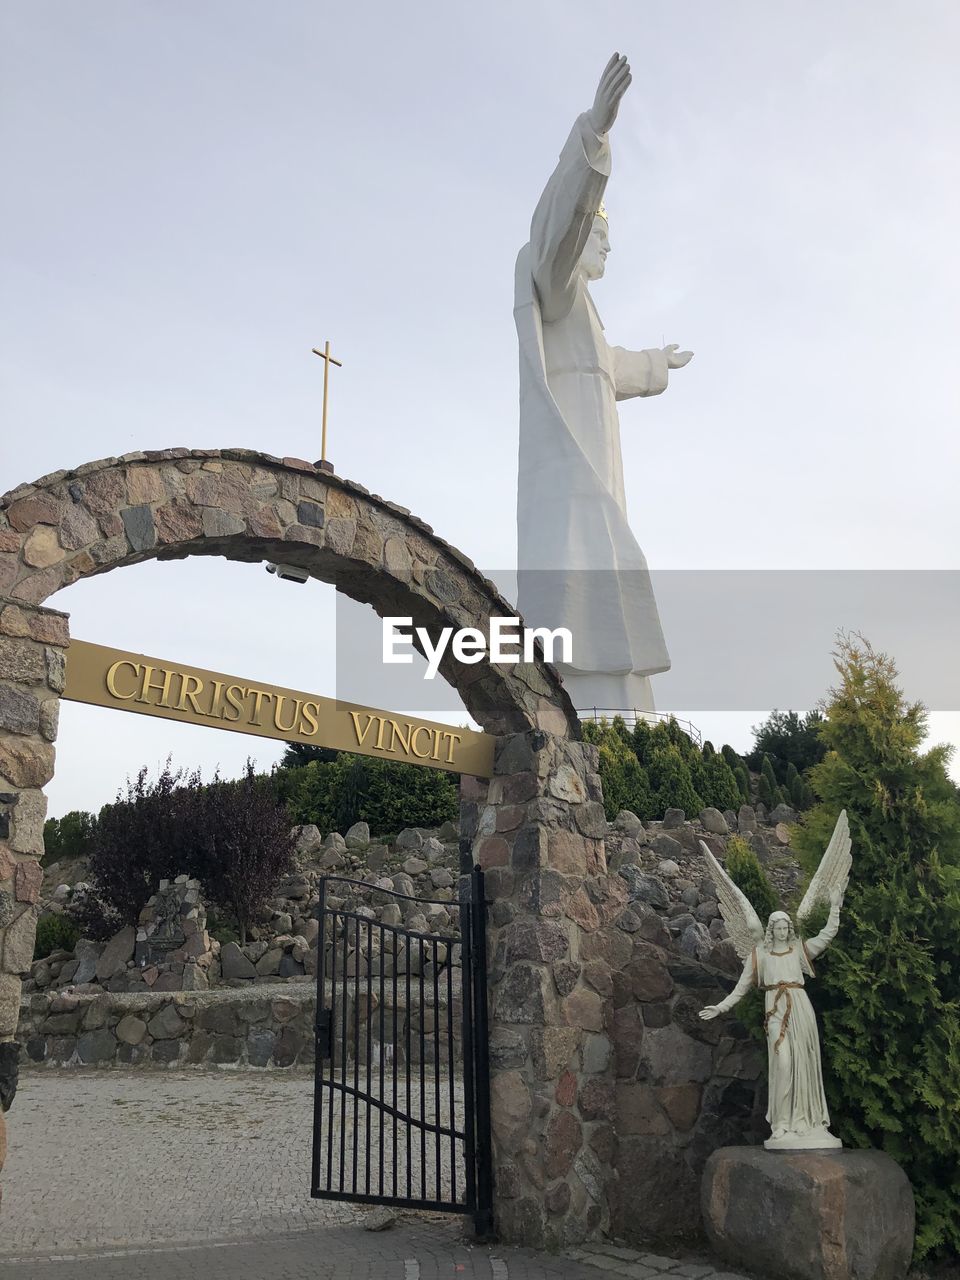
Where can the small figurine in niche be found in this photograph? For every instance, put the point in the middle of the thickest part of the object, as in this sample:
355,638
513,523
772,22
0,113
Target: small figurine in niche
777,961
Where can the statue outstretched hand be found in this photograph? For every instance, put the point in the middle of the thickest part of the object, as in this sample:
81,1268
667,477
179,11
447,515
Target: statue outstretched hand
613,85
676,359
710,1012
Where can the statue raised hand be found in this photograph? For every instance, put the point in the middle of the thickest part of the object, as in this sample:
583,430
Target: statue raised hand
613,85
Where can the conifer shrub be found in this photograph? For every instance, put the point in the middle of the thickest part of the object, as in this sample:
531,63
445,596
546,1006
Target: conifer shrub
888,988
743,782
672,783
721,787
625,782
54,933
769,787
801,794
744,869
387,794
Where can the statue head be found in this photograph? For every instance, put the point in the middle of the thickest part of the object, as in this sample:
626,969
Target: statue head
780,930
595,251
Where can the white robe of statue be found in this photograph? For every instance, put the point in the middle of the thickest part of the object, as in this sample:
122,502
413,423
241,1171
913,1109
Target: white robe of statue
571,507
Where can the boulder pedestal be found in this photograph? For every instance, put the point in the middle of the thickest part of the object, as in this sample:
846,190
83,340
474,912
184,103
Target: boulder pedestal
809,1215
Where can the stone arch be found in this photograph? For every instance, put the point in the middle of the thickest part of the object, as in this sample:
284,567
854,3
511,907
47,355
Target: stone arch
243,505
537,827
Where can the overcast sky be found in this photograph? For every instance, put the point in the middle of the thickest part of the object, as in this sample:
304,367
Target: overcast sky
199,191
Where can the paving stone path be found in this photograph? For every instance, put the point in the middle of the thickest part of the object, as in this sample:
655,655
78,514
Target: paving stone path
175,1174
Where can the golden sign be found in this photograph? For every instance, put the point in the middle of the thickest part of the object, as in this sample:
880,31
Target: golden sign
107,677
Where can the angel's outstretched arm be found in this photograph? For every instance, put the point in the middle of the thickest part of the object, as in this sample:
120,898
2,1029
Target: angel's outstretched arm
747,980
816,946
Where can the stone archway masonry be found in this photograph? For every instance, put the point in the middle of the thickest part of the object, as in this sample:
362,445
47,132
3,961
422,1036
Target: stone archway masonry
536,827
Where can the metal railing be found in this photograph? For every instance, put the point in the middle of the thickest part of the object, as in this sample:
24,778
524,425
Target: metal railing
631,716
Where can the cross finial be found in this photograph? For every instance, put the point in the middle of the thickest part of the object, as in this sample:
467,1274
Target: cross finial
327,359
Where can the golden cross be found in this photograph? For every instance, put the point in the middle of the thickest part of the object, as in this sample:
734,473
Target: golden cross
327,359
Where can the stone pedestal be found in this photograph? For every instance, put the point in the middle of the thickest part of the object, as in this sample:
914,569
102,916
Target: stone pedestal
845,1215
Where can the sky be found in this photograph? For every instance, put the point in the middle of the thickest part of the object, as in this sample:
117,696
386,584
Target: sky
199,193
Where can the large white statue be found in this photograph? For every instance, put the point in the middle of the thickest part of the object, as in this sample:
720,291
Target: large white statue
777,961
579,564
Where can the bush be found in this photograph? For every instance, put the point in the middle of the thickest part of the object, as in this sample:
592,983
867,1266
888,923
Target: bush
769,789
889,987
651,768
232,836
54,933
387,794
246,844
744,869
624,780
801,794
670,777
144,837
722,789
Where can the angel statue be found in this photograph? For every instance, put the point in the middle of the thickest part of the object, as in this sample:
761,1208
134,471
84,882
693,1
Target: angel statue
776,960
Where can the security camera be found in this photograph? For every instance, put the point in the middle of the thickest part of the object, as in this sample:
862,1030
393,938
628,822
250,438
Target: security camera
288,572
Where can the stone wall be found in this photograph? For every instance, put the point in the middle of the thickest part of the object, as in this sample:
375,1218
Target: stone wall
269,1026
32,643
683,1088
607,1091
537,829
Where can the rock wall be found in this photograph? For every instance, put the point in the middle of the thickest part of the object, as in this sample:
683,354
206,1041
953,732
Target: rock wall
171,948
607,1092
270,1026
32,643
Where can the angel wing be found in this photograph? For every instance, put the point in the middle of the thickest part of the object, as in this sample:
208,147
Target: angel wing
743,923
833,871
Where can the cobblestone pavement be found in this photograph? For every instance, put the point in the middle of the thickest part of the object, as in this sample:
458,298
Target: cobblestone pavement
175,1174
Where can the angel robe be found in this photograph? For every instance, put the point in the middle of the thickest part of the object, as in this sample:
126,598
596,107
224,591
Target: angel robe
571,508
797,1103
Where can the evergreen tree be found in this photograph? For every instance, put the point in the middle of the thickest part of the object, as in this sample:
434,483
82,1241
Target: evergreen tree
670,777
642,741
744,869
801,796
788,737
769,787
625,782
889,987
722,788
387,794
297,754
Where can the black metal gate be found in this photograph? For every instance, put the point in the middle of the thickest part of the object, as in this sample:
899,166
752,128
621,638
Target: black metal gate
401,1098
